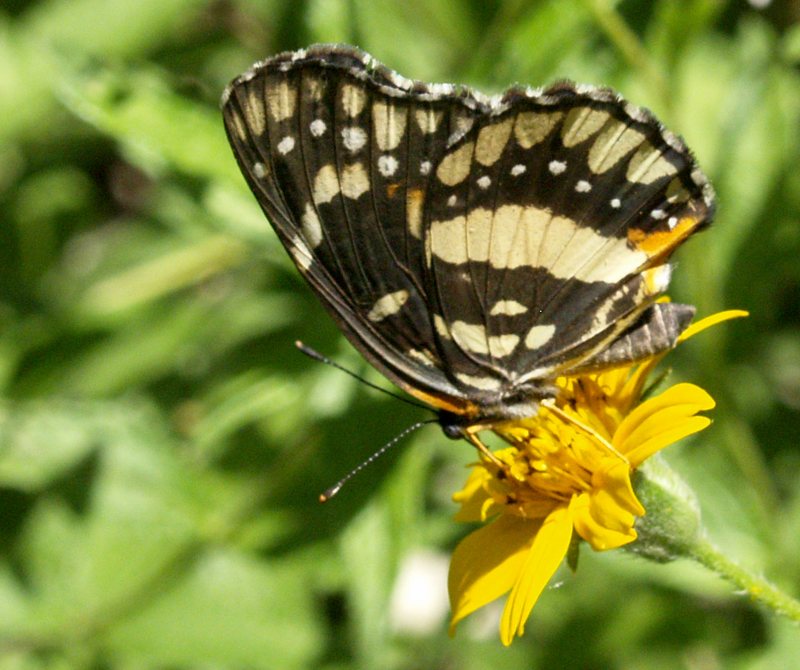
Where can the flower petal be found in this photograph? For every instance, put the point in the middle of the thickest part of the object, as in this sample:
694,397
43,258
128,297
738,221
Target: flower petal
677,432
613,494
546,554
712,320
597,535
662,420
473,496
487,563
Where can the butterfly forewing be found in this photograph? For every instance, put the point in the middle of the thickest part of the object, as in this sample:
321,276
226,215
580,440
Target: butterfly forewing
340,157
472,249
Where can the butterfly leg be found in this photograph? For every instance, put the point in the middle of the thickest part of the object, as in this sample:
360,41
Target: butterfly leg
482,448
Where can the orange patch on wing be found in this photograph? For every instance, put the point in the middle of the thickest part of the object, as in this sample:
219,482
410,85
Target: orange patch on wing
464,409
414,195
662,243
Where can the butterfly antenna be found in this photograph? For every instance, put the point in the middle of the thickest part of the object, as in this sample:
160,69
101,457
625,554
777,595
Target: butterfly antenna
313,353
326,495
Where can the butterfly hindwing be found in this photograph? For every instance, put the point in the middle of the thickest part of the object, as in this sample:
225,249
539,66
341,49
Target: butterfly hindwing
471,248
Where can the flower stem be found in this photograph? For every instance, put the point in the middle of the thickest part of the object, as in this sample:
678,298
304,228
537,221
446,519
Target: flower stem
758,588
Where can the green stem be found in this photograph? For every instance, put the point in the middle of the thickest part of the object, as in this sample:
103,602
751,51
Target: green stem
758,588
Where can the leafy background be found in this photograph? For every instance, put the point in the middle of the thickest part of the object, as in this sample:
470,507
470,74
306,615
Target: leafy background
162,443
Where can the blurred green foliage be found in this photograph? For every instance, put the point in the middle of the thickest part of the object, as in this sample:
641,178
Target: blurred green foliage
162,443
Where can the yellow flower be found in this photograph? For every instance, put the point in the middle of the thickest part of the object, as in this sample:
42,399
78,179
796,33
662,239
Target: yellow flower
568,468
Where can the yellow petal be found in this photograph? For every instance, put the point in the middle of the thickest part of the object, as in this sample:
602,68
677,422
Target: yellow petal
686,427
487,563
474,482
547,552
473,497
606,512
597,535
657,416
613,492
666,418
712,320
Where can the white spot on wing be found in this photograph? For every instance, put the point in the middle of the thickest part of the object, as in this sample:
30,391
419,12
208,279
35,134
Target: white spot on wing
425,168
286,145
314,88
452,200
491,141
616,203
514,236
648,164
658,214
421,357
414,212
312,229
387,305
441,327
326,184
501,346
517,170
532,127
238,125
463,124
355,181
470,337
353,138
583,186
353,100
613,143
428,120
387,165
676,192
581,123
254,111
508,308
300,253
482,383
556,167
538,336
260,170
318,127
455,166
657,279
389,122
484,182
281,99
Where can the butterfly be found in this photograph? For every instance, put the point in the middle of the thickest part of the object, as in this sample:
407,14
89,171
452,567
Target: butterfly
472,248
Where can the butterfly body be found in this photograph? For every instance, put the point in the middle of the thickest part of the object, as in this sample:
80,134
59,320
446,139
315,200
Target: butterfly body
473,249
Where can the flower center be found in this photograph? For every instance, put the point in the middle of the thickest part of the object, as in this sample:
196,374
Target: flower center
551,459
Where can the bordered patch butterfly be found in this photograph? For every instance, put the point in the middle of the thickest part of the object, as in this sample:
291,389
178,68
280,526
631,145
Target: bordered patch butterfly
473,249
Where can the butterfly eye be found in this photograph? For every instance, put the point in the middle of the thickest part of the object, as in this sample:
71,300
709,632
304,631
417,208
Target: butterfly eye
452,425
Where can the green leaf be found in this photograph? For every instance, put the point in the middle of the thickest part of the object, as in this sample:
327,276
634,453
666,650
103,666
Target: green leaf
151,121
230,611
42,440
